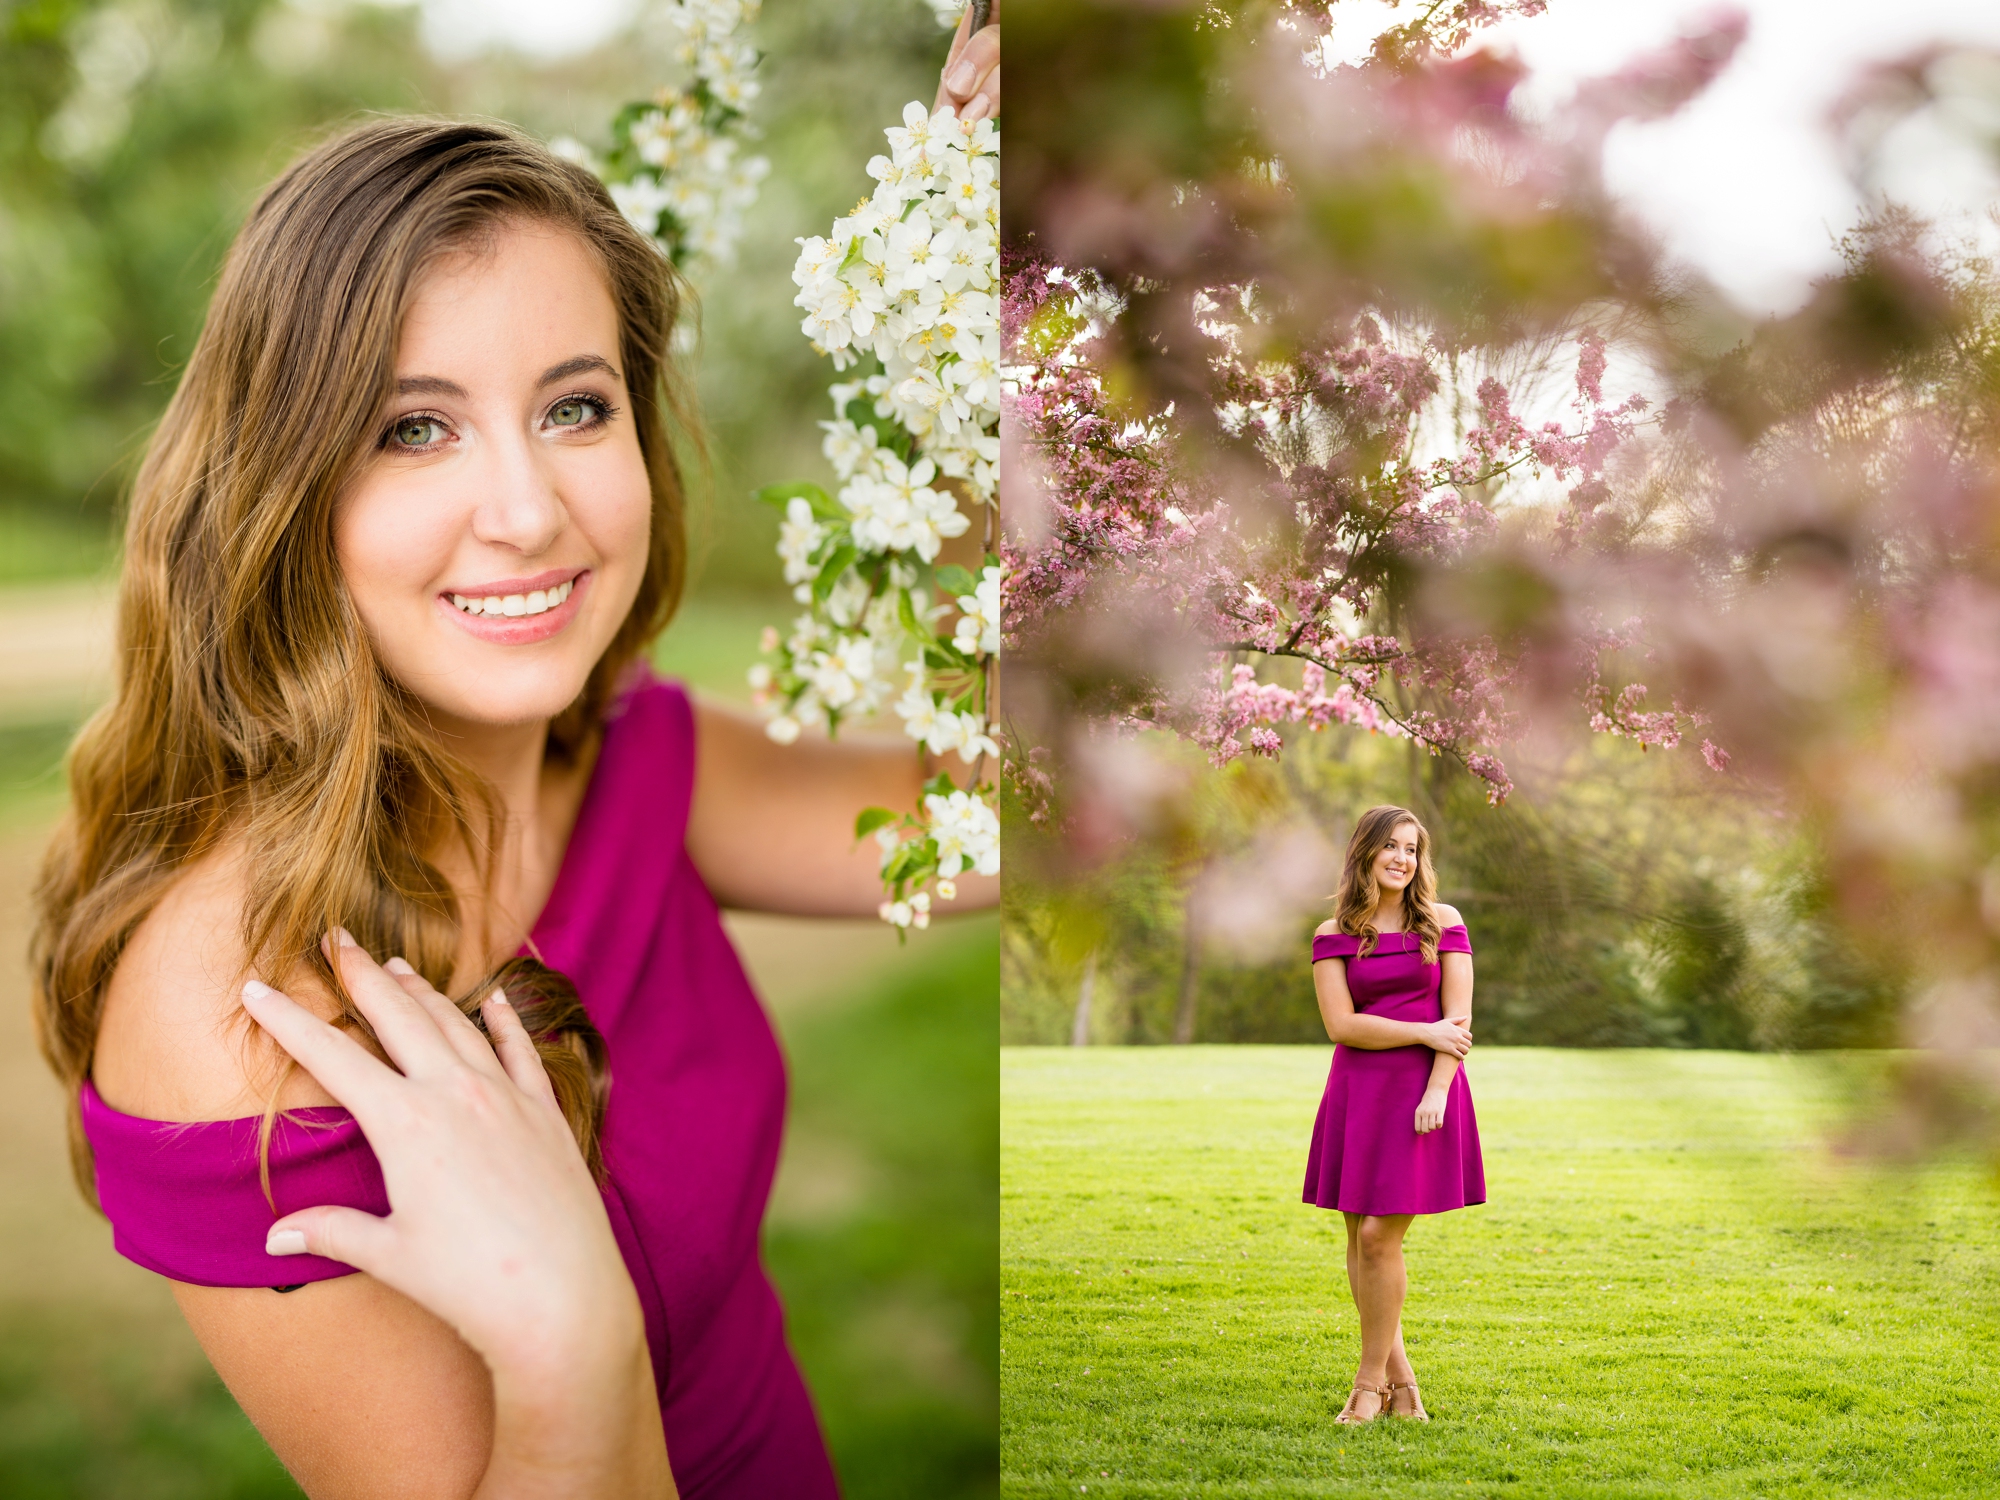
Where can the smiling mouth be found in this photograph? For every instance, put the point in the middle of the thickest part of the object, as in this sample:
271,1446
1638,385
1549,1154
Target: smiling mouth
514,606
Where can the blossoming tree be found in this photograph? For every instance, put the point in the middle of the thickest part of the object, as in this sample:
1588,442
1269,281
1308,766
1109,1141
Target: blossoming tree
1346,396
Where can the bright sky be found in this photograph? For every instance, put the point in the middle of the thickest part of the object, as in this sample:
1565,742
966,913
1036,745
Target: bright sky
1744,183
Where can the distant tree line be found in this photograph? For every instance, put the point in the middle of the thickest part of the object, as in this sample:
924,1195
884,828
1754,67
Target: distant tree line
1617,901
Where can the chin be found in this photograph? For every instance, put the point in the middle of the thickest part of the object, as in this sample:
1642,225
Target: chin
507,700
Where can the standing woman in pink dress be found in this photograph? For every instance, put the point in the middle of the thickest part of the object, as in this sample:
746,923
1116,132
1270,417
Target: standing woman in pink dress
1395,1135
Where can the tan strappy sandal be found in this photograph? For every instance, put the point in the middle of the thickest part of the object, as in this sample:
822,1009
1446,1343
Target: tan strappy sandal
1350,1417
1416,1413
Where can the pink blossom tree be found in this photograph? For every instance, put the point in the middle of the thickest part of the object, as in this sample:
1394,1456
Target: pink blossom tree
1346,398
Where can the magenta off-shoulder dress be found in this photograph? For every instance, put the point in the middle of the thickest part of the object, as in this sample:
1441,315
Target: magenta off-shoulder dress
1366,1156
690,1137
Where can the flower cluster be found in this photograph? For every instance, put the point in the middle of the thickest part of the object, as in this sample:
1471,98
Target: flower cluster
905,294
911,277
677,168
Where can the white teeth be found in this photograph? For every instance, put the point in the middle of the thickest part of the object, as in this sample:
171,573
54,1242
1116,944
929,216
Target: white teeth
515,605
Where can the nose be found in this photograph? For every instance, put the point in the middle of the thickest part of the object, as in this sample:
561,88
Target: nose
519,507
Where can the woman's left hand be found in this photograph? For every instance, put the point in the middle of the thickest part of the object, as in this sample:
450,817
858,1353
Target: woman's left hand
494,1225
1430,1112
970,85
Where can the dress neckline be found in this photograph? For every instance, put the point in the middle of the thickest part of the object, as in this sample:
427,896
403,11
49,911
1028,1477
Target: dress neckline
582,832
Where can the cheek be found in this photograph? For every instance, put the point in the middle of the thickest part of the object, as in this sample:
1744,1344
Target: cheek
389,548
610,500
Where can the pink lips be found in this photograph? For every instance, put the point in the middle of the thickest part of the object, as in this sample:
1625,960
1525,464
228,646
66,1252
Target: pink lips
520,630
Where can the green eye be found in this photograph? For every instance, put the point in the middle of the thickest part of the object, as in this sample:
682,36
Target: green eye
417,432
570,413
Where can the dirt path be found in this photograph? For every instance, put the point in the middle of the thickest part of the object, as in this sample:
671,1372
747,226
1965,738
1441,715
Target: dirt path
55,649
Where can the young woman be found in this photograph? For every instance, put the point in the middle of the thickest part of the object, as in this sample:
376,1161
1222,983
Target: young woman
1395,1135
393,558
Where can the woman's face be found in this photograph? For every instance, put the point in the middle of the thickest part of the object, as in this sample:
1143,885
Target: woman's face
495,537
1396,862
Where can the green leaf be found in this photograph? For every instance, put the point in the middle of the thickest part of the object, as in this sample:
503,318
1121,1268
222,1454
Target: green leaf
906,611
853,257
941,653
830,572
823,505
955,580
940,785
871,819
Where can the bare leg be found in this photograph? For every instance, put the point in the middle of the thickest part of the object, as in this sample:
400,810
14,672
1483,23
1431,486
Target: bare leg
1353,1256
1380,1282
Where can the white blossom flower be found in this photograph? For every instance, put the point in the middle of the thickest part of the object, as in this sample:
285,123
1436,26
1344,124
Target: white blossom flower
799,536
693,181
850,449
905,284
967,832
978,629
844,674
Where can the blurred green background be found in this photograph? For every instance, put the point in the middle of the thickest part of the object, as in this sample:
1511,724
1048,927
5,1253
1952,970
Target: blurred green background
1617,899
133,137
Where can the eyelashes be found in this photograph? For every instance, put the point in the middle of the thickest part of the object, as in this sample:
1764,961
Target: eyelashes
604,410
598,412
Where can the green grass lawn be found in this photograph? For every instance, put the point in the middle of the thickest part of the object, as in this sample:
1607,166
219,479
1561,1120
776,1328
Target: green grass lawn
1674,1289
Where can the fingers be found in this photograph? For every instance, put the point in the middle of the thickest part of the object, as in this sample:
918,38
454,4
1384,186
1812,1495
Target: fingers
341,1065
344,1234
457,1027
971,81
985,101
409,1033
516,1050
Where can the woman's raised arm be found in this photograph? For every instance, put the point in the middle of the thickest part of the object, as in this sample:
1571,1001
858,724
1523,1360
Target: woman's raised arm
772,826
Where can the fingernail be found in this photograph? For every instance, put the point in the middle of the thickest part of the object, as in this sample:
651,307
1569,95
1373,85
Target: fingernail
498,997
256,989
398,966
344,938
960,78
285,1242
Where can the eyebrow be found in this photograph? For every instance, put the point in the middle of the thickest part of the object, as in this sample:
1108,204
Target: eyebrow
577,366
437,385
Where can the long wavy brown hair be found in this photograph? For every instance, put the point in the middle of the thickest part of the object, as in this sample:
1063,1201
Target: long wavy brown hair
1354,902
249,703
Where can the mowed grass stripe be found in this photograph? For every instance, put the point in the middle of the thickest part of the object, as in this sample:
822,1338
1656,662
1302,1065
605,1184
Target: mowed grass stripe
1676,1288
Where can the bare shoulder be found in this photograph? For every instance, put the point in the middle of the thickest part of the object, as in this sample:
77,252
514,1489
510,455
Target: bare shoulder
1327,928
394,1401
1448,915
174,1042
